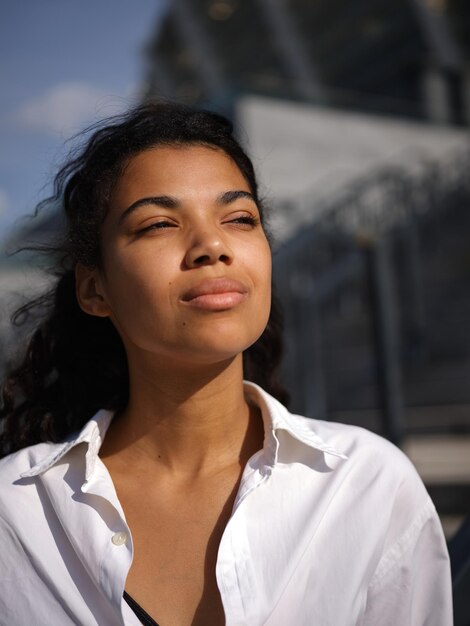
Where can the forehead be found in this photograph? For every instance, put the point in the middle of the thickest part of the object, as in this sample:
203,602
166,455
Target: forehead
176,169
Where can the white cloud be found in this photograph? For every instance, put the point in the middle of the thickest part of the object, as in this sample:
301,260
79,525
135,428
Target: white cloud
66,107
4,201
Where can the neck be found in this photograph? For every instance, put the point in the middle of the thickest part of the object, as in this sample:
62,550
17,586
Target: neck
190,420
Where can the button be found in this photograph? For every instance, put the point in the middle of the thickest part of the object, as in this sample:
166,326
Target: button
119,538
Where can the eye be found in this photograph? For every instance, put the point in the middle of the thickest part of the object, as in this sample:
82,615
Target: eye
158,225
245,221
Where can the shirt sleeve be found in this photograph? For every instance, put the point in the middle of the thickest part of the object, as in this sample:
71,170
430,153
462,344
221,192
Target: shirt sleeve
412,583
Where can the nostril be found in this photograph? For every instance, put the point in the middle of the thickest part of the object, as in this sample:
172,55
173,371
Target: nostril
204,258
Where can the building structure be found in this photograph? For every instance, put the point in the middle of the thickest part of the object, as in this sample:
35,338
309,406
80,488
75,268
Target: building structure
399,57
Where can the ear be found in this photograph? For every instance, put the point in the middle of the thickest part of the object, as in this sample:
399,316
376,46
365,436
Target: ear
88,289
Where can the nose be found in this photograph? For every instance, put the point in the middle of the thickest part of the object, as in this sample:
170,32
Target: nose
207,248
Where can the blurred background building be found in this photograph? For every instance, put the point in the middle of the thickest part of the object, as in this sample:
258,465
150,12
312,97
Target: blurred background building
400,57
356,113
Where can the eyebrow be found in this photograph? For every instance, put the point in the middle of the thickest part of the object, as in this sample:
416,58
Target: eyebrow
231,196
169,202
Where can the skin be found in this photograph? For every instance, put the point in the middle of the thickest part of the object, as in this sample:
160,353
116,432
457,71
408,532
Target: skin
177,452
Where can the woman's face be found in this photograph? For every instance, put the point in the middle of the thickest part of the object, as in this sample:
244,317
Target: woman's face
186,272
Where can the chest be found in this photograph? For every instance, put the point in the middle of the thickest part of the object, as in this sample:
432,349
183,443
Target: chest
176,531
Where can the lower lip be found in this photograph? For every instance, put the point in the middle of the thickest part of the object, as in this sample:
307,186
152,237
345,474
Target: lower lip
217,301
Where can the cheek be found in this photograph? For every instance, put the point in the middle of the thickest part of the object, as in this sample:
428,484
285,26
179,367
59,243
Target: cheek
262,264
138,289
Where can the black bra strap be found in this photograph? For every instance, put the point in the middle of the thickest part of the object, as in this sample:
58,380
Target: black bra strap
143,616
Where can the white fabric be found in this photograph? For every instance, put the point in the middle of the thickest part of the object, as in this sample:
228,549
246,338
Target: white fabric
331,527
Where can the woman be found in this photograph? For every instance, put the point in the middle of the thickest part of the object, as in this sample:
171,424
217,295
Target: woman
144,481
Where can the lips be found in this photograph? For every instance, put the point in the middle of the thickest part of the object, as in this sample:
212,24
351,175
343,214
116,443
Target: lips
216,294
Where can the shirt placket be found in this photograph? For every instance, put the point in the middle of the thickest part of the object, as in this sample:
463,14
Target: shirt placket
235,574
116,547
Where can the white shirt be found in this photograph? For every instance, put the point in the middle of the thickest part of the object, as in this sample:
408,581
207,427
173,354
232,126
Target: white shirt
331,526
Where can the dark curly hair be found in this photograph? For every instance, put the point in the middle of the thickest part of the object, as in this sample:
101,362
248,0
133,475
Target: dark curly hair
75,363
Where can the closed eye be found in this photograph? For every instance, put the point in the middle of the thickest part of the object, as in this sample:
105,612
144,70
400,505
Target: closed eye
156,226
245,220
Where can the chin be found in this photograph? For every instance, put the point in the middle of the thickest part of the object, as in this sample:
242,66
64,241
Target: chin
219,341
210,353
217,349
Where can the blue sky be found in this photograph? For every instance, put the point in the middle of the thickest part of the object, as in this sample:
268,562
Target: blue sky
63,64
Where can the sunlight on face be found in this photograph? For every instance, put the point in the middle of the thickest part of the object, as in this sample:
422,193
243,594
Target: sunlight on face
186,265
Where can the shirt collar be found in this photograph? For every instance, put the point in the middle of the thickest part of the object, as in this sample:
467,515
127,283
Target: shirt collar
92,434
275,417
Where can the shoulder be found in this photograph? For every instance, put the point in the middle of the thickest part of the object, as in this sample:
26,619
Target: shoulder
366,489
368,455
15,464
17,492
20,506
360,445
366,458
384,482
383,492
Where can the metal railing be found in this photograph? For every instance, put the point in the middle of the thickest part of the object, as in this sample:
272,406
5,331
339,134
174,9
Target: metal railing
353,246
